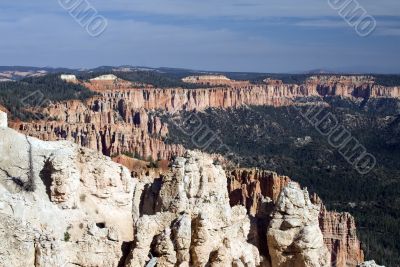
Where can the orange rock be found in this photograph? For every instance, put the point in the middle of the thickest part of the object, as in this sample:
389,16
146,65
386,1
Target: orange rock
340,236
258,191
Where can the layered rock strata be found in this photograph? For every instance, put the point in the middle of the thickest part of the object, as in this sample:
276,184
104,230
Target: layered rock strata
104,125
340,236
259,190
119,119
272,93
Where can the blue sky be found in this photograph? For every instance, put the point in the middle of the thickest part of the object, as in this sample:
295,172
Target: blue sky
229,35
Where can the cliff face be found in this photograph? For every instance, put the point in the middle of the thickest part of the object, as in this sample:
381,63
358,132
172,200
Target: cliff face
119,119
61,205
176,99
249,187
104,124
232,96
340,236
351,86
259,191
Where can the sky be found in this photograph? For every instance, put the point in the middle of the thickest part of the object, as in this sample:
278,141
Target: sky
215,35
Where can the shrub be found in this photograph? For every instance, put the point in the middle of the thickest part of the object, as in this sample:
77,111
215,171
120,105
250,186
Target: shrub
67,236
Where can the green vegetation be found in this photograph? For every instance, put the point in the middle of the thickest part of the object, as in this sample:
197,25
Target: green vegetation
67,236
22,97
267,138
155,78
82,197
387,80
258,78
154,164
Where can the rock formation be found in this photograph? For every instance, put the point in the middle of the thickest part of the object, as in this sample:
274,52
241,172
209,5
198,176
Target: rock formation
3,120
259,190
249,187
351,86
61,205
107,77
236,95
104,125
213,80
340,236
120,119
69,78
370,264
184,218
294,236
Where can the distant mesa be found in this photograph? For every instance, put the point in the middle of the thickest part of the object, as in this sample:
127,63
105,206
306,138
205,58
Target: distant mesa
331,79
68,78
213,80
270,81
14,75
205,78
107,77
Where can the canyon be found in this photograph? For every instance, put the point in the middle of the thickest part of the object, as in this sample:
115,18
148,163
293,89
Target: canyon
191,212
123,118
65,205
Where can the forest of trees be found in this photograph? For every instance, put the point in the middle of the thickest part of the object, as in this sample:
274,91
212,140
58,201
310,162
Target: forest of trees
387,80
154,78
20,97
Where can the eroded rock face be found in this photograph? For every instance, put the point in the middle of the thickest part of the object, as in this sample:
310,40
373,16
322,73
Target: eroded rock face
61,205
239,93
258,191
184,218
106,126
119,120
340,236
294,236
250,187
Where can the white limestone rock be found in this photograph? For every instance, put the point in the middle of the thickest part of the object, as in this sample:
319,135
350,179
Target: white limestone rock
68,77
294,237
370,264
107,77
52,196
3,120
191,222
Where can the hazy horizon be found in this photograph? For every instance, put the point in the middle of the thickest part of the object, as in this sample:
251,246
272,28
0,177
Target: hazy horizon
316,71
237,36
